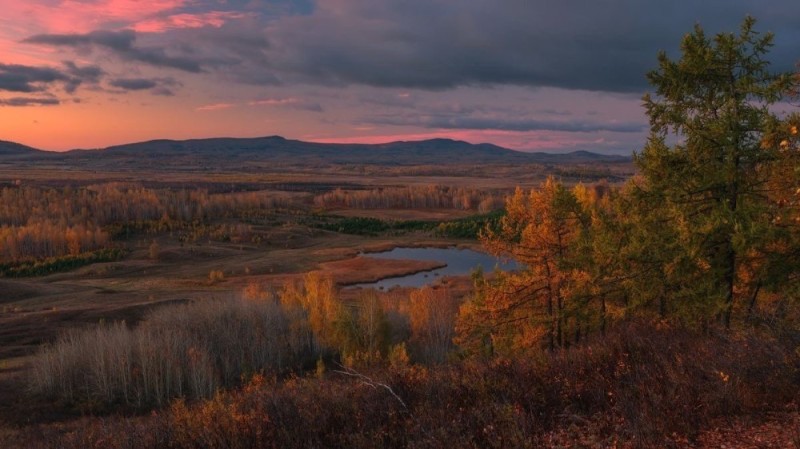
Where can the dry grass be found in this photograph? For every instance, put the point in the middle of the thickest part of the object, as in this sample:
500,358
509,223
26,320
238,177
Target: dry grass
178,351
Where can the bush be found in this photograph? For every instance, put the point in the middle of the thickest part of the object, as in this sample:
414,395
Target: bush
187,351
215,276
643,386
52,265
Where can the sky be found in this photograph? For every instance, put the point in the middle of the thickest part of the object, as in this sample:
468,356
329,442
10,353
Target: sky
531,75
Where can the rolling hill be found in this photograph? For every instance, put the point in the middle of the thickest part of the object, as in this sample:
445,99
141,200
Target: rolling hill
15,149
275,150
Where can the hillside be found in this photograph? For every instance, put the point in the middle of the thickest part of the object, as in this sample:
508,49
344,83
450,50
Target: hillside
281,151
15,149
424,152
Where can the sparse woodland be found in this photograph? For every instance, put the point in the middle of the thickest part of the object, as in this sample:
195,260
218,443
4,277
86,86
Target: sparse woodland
37,223
647,312
430,197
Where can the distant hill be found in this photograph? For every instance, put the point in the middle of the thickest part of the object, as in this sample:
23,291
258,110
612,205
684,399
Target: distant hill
15,149
228,152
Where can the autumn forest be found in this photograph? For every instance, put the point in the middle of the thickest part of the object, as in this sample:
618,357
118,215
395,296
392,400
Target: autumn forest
656,303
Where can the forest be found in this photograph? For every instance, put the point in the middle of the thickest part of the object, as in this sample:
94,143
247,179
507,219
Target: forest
663,311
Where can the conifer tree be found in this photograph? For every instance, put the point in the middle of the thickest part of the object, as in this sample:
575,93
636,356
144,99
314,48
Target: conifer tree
705,168
533,306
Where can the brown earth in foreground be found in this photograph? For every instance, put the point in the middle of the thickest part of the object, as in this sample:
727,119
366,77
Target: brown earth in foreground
773,430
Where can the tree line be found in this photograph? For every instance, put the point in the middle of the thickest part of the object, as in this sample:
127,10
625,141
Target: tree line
40,222
413,197
706,232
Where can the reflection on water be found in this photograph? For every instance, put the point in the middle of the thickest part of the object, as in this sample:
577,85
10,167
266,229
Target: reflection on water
459,262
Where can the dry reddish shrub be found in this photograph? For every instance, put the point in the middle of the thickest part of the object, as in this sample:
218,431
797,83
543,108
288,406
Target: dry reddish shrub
643,386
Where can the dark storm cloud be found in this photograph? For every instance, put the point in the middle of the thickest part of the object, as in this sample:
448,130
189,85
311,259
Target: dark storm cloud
237,51
442,44
29,101
506,123
79,75
133,83
122,44
27,79
157,86
21,78
438,44
533,125
89,73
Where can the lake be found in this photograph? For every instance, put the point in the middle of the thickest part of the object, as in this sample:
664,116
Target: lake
459,262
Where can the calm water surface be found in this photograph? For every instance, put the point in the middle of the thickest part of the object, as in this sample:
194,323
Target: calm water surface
459,262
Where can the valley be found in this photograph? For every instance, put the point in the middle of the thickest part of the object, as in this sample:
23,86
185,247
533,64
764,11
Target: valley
294,223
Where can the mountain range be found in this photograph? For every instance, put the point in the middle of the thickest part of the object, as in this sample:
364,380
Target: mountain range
280,151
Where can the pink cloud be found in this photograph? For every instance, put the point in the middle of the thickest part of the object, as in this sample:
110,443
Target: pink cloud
274,101
213,18
81,16
215,107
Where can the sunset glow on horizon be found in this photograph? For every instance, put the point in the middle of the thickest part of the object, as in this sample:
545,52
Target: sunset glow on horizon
530,76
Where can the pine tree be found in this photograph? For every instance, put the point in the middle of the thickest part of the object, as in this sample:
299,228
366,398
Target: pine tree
704,167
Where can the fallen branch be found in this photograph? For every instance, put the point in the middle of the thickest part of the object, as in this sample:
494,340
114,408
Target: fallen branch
369,382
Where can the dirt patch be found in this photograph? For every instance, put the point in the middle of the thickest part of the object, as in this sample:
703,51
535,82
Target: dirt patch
15,291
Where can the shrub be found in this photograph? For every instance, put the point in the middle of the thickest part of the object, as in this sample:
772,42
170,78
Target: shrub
154,251
643,386
215,276
186,350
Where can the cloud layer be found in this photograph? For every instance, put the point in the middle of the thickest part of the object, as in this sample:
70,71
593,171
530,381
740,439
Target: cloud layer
121,44
533,74
440,44
433,44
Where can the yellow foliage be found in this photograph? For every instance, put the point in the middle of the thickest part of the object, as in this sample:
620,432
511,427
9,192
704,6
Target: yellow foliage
398,357
316,295
256,292
215,276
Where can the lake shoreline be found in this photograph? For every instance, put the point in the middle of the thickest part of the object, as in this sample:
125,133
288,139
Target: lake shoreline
454,261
